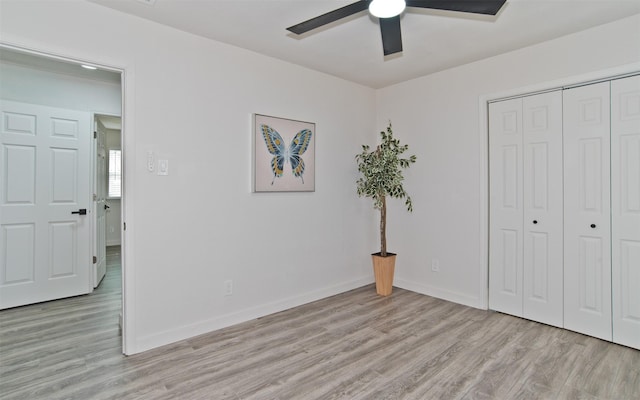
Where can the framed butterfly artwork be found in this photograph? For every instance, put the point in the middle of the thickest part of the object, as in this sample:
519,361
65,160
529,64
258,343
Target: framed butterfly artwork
284,155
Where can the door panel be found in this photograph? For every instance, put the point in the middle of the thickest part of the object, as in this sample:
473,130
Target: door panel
64,164
20,189
63,242
510,177
100,189
587,252
508,283
590,176
19,251
589,267
538,175
505,165
625,209
542,194
45,159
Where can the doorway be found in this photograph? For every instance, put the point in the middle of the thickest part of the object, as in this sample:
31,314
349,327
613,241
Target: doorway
47,82
107,191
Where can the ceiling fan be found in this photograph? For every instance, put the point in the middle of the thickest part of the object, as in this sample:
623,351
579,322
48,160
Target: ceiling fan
388,12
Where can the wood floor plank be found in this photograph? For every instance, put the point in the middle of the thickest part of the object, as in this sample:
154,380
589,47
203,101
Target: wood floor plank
355,346
550,370
591,367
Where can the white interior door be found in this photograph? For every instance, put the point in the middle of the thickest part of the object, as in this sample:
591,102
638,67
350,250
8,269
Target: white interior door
45,176
506,215
587,243
100,204
543,221
625,210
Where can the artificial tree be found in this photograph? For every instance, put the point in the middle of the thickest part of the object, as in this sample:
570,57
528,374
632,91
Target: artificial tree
382,177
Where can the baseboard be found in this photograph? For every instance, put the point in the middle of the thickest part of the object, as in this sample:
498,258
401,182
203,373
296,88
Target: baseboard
184,332
440,293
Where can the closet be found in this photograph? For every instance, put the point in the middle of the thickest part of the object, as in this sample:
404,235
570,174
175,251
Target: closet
564,224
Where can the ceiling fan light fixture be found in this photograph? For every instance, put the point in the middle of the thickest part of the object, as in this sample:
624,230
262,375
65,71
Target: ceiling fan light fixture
386,8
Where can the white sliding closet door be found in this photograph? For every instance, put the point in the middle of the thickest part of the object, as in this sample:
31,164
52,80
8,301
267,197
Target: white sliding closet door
543,223
587,238
526,207
625,209
506,215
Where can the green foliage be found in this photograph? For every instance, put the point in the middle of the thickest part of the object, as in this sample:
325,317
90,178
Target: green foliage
382,171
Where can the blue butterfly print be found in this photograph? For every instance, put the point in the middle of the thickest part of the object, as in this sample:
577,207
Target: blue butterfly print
275,146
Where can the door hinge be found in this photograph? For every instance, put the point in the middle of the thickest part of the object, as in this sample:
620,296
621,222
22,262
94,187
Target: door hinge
95,259
95,134
95,197
124,226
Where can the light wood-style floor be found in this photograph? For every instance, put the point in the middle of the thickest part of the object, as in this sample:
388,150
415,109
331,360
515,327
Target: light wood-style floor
352,346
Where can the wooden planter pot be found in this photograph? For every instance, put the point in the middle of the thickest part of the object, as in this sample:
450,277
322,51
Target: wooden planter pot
383,269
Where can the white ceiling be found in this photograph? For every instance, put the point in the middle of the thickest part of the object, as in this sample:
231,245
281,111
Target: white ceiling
351,48
110,122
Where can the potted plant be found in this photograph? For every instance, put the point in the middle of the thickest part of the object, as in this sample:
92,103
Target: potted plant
381,178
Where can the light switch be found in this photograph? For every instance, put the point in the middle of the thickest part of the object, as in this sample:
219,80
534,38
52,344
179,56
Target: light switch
163,167
150,161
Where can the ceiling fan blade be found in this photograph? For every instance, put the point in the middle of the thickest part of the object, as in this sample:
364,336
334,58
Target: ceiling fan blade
489,7
329,17
391,35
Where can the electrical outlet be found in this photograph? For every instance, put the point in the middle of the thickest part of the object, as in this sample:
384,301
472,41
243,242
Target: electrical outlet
435,265
228,287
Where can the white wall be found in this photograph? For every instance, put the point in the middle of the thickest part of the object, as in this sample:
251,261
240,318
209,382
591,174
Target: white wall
34,86
190,101
439,117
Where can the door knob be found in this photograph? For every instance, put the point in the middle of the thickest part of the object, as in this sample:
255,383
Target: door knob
106,207
82,211
593,225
